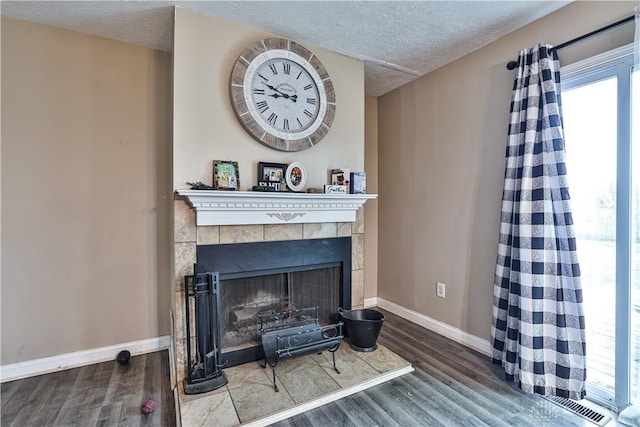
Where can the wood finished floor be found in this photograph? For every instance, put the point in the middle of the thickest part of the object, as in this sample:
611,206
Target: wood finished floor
452,386
104,394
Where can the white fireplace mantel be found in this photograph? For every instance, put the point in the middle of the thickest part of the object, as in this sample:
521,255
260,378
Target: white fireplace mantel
254,207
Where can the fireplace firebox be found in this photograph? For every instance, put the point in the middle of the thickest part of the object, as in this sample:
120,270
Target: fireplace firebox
270,277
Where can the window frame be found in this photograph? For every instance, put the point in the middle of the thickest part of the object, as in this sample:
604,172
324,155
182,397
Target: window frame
615,63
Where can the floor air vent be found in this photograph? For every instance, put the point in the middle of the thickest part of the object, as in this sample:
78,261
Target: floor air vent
581,410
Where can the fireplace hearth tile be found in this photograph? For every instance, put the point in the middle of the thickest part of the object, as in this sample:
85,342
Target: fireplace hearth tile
282,232
357,251
290,365
357,289
382,359
186,398
179,344
324,230
344,229
305,382
257,400
208,235
352,370
358,225
244,234
309,383
185,258
184,223
247,374
178,316
213,409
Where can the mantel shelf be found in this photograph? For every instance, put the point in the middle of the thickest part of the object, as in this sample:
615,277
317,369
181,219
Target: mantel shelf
254,207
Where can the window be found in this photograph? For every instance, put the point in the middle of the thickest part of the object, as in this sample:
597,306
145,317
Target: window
597,96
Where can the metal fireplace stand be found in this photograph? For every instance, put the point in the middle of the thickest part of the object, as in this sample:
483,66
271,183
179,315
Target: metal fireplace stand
296,333
204,373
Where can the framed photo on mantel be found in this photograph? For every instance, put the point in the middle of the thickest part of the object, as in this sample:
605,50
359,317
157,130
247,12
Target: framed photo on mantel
272,175
226,175
296,176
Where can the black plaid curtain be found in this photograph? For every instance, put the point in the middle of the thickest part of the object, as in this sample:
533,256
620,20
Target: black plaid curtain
538,320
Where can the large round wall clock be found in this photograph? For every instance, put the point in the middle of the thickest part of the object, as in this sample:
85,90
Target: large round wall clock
282,95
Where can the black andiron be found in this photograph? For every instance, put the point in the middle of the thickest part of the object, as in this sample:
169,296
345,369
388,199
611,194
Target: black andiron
295,333
202,312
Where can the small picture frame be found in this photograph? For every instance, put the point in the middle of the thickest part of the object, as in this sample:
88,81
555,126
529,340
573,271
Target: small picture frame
340,176
226,175
296,176
358,183
272,174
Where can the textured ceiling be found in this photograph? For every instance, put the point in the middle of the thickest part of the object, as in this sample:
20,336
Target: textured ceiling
397,40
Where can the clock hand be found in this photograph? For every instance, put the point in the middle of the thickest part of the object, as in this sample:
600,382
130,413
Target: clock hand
271,87
293,98
281,94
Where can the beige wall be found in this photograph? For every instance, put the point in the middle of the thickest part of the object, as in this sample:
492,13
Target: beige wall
206,129
441,151
371,207
86,192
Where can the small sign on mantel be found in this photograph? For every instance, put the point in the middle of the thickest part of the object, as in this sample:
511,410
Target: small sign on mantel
335,189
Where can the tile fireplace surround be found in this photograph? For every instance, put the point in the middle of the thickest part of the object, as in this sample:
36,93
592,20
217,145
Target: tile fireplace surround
217,217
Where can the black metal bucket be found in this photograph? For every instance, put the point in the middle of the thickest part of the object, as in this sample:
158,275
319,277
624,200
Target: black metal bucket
363,328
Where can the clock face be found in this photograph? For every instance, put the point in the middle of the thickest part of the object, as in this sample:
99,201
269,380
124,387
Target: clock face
282,99
283,95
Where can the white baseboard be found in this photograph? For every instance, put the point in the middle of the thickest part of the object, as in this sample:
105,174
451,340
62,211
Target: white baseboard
455,334
45,365
371,302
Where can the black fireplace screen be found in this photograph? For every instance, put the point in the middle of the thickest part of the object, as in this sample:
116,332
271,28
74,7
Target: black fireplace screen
271,277
244,300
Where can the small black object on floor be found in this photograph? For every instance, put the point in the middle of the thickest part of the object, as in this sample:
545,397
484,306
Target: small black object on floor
123,357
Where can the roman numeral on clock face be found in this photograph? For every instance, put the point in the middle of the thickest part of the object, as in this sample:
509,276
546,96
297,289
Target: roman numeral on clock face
286,67
262,106
309,86
286,125
273,68
258,91
308,113
311,101
272,118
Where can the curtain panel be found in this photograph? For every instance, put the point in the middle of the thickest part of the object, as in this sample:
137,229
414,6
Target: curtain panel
538,320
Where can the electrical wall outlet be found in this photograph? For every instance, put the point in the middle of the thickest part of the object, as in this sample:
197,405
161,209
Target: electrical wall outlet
440,289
